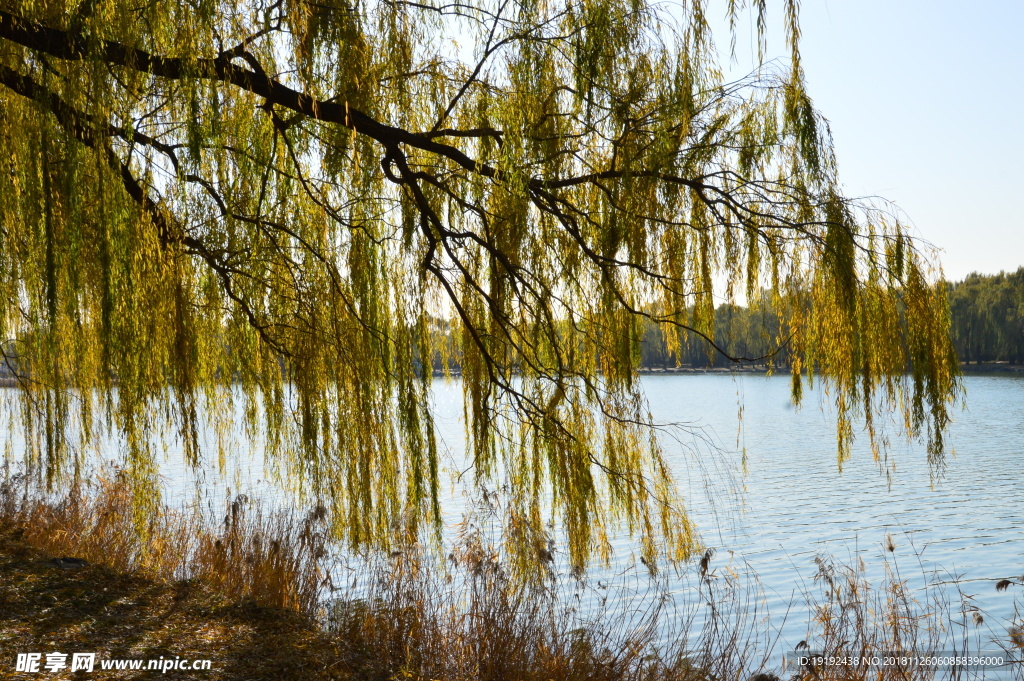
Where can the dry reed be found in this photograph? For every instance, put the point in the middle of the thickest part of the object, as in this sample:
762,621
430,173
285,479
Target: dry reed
272,561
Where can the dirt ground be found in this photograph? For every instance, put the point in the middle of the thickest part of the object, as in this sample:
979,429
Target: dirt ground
45,609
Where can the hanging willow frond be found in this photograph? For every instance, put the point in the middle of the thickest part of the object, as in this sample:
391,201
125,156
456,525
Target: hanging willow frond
299,209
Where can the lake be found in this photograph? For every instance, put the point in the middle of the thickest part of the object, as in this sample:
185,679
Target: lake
963,528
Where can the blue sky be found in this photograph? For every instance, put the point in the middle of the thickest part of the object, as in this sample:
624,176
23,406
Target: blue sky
926,105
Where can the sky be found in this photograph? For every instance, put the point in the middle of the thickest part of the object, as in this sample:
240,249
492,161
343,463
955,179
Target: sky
925,100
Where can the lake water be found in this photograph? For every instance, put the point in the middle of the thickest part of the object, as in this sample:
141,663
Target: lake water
768,520
962,529
794,504
790,503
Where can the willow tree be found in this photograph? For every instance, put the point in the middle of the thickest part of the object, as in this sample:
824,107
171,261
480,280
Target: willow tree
291,210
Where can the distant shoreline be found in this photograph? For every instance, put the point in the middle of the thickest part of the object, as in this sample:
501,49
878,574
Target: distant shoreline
983,368
991,367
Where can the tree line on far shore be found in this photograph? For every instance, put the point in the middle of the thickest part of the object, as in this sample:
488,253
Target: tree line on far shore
987,325
988,317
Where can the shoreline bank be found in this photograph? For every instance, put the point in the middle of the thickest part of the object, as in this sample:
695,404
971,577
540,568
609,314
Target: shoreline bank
125,617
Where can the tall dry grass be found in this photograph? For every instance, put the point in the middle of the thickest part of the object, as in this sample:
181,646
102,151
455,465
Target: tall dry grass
271,560
898,624
473,622
405,617
471,617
